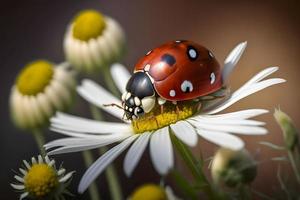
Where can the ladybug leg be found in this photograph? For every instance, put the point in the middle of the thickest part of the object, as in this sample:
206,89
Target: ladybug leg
161,102
161,109
113,104
199,106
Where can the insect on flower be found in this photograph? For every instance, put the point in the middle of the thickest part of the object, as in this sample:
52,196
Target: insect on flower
174,72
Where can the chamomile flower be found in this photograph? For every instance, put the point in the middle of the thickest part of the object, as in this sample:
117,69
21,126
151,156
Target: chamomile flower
185,124
93,41
153,192
41,89
40,179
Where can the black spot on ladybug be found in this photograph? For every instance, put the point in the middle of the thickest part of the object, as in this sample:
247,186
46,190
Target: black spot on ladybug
192,53
168,59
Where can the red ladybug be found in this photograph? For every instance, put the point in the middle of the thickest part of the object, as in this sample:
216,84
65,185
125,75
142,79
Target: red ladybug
176,71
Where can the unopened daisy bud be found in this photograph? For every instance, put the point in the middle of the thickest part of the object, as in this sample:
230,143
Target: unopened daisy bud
290,133
233,167
93,41
41,88
149,192
40,179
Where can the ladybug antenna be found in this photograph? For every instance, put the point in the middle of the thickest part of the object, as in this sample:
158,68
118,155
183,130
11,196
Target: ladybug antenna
113,104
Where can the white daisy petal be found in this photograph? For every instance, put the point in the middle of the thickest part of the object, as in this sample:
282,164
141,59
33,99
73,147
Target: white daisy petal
85,145
204,120
78,124
66,177
99,165
24,172
120,75
222,138
61,171
161,151
243,114
27,165
135,152
18,178
17,187
258,77
40,159
68,141
85,135
47,159
185,132
245,92
33,160
232,59
239,129
24,195
98,96
51,163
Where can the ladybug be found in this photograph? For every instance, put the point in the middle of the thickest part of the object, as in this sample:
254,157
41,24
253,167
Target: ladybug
176,71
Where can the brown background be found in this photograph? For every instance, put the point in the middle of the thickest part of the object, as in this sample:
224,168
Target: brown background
34,29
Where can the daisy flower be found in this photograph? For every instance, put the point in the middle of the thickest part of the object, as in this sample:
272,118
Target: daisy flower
185,124
93,41
41,89
40,179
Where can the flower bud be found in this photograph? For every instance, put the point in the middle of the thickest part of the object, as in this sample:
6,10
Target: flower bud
290,134
233,167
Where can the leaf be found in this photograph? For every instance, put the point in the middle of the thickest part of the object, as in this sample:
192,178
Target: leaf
273,146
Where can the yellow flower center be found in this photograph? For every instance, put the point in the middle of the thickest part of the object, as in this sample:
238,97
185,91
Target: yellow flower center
40,180
88,24
35,77
149,192
170,114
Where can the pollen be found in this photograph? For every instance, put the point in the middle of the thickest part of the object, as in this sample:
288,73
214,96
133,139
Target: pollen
149,192
34,78
161,117
40,180
88,24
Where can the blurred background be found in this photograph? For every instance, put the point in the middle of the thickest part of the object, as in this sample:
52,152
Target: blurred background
34,29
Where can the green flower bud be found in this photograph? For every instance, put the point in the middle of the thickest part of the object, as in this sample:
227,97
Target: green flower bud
290,134
233,167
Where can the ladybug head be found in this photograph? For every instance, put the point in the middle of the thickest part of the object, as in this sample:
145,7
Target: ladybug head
139,97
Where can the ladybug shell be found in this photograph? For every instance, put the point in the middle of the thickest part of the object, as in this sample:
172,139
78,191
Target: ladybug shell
181,70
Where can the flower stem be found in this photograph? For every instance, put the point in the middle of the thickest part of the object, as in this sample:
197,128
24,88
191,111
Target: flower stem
294,165
195,169
40,140
110,172
88,160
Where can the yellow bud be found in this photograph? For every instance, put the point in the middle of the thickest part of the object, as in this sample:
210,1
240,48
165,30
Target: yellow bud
34,77
149,192
88,24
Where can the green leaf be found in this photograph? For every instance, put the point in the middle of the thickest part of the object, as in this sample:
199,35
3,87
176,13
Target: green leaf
271,145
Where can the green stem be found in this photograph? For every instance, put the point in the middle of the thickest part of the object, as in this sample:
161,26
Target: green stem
190,161
88,160
40,140
294,165
110,172
184,185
